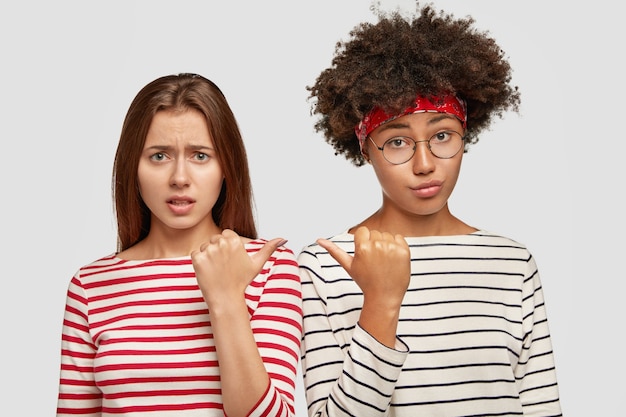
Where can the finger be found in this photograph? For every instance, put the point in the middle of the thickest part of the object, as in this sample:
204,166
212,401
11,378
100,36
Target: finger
262,255
385,241
376,236
213,239
231,240
400,240
229,233
363,239
337,253
362,234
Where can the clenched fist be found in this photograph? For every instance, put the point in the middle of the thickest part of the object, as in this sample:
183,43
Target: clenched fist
381,267
224,268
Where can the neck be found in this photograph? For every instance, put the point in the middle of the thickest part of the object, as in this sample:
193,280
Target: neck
163,242
441,223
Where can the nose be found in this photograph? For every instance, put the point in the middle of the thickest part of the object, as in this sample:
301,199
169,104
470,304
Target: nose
180,175
423,160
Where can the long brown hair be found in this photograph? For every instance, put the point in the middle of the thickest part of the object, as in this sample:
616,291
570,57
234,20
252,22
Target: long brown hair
234,206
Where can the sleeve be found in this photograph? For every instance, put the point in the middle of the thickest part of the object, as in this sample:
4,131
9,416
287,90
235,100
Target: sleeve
535,372
277,328
354,380
78,393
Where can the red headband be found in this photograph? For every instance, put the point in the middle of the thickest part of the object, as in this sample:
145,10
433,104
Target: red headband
440,104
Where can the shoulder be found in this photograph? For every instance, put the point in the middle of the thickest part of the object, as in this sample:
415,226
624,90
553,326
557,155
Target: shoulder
489,238
253,245
112,267
489,245
480,237
281,253
340,239
314,255
91,271
479,244
104,261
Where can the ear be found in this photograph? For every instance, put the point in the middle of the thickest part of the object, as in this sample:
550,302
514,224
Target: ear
366,156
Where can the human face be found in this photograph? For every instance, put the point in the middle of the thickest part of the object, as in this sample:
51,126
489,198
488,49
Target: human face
422,185
179,175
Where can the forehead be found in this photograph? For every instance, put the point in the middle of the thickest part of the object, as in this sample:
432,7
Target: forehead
423,119
175,126
178,119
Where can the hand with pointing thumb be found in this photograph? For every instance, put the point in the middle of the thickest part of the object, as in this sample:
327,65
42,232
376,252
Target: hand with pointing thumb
224,268
381,265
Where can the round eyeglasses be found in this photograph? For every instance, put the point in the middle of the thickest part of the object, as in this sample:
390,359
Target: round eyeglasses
400,149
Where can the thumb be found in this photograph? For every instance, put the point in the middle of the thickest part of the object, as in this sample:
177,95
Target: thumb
337,253
262,255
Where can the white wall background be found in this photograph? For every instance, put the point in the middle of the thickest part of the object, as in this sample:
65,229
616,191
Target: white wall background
551,177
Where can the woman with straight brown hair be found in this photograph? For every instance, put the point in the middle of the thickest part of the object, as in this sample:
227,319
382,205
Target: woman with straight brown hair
194,315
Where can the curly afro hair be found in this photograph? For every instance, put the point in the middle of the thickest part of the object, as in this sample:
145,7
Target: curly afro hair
387,63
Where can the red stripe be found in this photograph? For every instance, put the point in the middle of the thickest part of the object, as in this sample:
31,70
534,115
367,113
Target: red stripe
77,382
158,393
125,266
137,278
285,320
76,340
171,288
283,378
79,411
160,339
285,335
285,261
74,296
162,407
164,301
277,361
80,327
283,290
123,317
280,305
176,365
173,326
193,378
142,352
76,368
65,396
74,354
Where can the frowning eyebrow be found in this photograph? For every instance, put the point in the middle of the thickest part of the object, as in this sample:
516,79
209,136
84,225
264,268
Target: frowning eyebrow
397,124
163,148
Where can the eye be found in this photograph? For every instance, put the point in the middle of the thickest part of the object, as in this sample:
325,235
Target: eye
398,143
441,137
201,156
159,156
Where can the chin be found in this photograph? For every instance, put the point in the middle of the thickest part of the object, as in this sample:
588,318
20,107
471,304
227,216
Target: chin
428,210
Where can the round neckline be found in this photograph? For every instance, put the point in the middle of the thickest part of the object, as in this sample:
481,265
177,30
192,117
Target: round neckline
116,256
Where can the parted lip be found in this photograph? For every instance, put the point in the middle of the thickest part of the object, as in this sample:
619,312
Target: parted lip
180,199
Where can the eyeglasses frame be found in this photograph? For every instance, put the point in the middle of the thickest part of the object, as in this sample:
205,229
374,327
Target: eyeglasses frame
415,142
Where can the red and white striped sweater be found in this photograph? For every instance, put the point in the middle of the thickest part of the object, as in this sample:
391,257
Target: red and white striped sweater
137,339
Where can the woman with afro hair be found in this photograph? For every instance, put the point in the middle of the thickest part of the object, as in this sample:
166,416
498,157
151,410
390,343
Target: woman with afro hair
412,312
